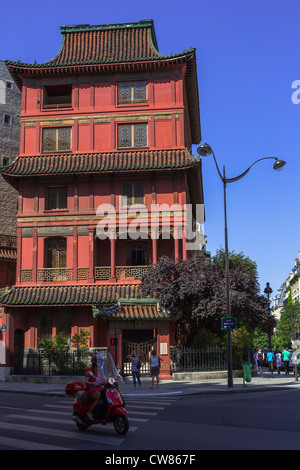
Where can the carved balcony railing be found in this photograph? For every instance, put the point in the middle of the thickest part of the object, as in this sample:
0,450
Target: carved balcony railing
55,274
101,273
122,272
134,272
26,275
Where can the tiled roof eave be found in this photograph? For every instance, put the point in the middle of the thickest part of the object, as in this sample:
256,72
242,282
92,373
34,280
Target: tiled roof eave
101,163
93,66
85,296
17,70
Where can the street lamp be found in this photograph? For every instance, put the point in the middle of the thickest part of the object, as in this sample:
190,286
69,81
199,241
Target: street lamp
268,291
204,150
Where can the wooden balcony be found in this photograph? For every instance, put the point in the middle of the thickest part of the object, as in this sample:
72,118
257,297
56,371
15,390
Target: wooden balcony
101,273
54,274
122,272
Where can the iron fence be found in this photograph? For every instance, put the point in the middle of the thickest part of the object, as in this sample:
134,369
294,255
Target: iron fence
182,359
38,363
210,358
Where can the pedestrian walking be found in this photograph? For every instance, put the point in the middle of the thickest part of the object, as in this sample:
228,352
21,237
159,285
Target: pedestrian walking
260,360
135,369
255,354
270,359
286,360
278,358
155,361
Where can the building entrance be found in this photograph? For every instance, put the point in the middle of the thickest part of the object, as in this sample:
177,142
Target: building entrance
140,341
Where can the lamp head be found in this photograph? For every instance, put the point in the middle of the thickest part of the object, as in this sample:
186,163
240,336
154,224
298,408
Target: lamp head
279,164
204,150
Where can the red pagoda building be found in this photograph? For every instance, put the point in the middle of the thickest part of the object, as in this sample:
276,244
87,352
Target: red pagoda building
108,121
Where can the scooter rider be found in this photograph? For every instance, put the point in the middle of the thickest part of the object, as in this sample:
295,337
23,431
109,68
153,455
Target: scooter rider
92,381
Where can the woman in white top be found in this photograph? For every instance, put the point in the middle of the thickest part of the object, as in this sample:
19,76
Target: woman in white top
155,361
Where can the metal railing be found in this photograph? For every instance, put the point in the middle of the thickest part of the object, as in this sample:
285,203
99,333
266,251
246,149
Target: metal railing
37,362
182,359
210,358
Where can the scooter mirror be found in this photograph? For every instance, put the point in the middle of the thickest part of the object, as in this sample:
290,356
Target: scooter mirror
89,374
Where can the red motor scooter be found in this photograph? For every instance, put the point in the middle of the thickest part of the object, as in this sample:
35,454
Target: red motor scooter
110,407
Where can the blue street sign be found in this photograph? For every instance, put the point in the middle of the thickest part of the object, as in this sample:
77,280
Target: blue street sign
228,323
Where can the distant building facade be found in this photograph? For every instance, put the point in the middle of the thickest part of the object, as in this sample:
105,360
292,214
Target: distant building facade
291,287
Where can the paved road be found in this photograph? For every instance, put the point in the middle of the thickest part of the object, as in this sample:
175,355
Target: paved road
250,421
45,423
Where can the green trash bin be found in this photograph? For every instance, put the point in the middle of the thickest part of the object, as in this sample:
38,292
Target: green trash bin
247,366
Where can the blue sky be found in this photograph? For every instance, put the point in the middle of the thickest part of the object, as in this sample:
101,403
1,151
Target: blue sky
248,56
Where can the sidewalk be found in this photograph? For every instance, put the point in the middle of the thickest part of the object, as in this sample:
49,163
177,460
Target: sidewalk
268,382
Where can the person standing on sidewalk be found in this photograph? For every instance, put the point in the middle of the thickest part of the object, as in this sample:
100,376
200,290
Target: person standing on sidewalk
155,361
286,360
255,358
135,368
278,357
270,359
260,360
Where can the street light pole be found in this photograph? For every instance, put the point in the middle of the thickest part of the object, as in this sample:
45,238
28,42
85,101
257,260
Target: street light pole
204,150
229,346
268,291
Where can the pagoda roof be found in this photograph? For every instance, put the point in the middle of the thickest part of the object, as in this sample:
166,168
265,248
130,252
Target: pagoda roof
114,47
88,295
97,163
102,44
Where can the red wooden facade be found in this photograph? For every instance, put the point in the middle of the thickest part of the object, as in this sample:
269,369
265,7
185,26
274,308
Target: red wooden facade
108,117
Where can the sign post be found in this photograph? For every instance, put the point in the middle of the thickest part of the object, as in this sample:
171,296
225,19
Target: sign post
228,323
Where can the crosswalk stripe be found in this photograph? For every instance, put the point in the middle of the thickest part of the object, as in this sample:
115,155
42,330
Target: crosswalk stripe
62,413
58,407
149,402
113,441
108,426
146,406
27,445
128,406
142,413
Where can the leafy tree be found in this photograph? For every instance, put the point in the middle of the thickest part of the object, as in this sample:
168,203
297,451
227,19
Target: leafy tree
198,292
55,348
235,260
80,342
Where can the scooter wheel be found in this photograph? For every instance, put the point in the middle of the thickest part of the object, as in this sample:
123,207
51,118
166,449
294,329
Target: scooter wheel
82,426
121,424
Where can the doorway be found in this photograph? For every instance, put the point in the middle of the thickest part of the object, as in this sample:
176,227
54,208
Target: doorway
140,341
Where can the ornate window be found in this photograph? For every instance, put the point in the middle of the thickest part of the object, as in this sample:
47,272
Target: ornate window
56,198
133,193
132,92
56,139
56,253
132,135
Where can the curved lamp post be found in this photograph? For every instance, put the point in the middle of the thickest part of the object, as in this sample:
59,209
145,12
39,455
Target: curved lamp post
205,150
